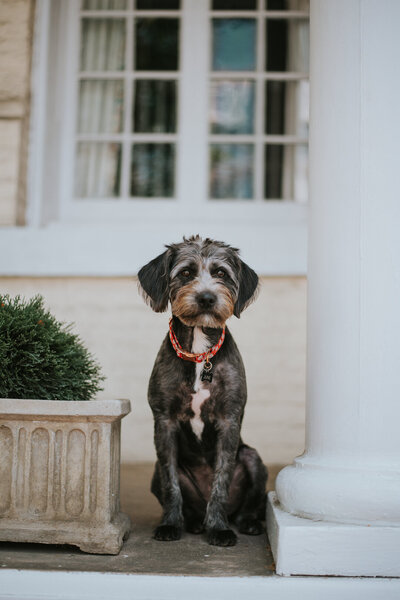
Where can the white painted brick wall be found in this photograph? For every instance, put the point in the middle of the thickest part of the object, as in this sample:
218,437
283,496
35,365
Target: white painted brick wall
125,336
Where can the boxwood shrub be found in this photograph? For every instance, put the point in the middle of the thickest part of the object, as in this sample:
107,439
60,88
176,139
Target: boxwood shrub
40,357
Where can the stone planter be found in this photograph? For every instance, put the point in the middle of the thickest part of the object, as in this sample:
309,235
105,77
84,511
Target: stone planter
59,473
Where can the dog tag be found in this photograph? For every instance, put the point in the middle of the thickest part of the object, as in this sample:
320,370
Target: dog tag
206,374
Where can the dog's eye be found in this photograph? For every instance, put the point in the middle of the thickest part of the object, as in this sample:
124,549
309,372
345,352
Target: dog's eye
221,273
185,273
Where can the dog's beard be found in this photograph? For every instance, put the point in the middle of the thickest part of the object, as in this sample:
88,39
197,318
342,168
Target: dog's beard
201,320
185,307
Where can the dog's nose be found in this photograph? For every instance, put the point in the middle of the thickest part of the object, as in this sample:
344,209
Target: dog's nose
206,299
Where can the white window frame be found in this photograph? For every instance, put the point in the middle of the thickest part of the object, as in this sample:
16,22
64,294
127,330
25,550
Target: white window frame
116,237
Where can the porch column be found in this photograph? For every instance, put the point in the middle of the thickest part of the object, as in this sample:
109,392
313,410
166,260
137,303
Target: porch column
345,489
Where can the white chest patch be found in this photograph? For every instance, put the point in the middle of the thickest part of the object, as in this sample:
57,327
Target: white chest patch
200,344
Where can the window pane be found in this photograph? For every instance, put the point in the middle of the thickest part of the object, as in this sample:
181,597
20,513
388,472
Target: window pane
157,44
286,172
153,168
155,106
286,108
104,5
232,107
234,44
231,173
100,106
102,44
303,5
234,4
98,168
157,4
287,45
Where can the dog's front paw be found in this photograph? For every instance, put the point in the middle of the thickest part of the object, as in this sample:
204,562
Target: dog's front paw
250,526
167,533
221,537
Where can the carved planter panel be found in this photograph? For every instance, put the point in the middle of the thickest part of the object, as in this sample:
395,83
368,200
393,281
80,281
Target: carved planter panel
59,473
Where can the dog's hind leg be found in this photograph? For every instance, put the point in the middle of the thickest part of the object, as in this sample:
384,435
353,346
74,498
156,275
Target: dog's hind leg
249,516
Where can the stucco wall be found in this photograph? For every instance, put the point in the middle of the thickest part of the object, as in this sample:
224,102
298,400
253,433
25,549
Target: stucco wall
16,18
125,336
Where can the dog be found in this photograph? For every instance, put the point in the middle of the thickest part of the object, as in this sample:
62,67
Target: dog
205,476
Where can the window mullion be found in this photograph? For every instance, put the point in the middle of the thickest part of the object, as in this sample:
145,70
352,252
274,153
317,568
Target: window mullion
69,103
128,84
192,153
260,113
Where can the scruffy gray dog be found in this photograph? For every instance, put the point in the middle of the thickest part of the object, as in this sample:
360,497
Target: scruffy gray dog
205,476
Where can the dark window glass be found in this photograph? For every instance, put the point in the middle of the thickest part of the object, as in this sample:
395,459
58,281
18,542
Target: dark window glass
98,168
234,44
100,106
303,5
286,172
102,44
155,106
276,4
157,44
234,4
275,107
104,5
153,168
231,174
276,44
273,170
282,34
158,4
232,106
286,108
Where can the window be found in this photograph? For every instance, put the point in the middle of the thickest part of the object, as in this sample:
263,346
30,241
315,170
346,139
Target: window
128,127
259,100
127,103
186,116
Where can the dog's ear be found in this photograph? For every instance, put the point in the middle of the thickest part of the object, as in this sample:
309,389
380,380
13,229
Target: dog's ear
248,283
154,281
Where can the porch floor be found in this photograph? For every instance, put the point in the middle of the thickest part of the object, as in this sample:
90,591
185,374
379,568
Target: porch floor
140,554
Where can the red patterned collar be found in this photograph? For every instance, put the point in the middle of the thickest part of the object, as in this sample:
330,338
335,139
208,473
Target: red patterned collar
198,358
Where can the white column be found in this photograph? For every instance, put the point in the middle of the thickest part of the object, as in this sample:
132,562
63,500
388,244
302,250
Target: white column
350,470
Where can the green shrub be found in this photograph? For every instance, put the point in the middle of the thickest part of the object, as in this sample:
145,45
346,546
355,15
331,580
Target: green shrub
40,357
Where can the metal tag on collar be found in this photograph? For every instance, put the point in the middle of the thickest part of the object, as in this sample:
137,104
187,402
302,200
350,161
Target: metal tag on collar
206,374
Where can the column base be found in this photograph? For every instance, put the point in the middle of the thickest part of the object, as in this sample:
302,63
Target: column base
306,547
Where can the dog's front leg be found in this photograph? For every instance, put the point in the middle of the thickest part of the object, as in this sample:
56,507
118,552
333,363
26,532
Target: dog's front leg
166,446
216,521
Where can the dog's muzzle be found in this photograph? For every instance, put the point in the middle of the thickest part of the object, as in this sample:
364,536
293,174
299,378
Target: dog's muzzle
206,300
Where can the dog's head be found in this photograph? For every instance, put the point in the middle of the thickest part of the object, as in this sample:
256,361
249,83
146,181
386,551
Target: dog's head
205,281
